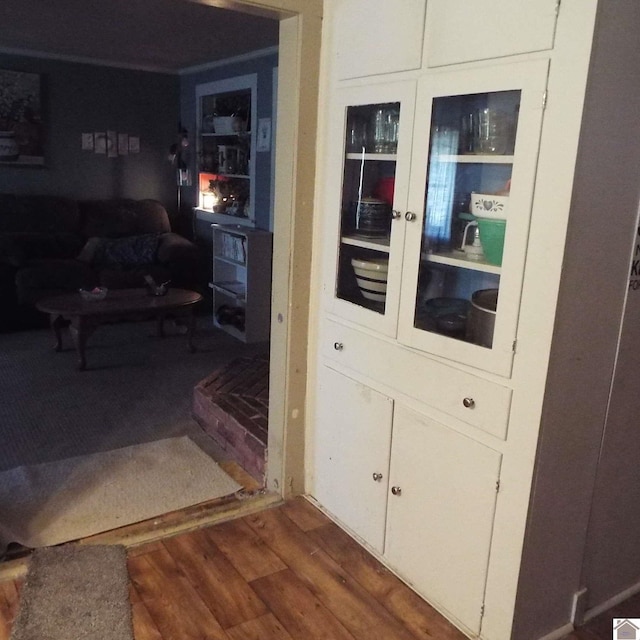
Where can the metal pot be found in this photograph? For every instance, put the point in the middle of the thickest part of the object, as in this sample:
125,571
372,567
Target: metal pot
482,317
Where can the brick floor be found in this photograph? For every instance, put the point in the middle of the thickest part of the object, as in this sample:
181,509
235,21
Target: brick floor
232,406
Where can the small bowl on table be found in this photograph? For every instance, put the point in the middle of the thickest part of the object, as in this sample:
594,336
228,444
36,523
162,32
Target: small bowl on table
94,295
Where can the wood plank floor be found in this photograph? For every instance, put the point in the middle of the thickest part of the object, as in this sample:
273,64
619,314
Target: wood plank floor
284,573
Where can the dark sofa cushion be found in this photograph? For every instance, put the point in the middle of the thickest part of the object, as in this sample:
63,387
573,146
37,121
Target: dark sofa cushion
122,217
19,248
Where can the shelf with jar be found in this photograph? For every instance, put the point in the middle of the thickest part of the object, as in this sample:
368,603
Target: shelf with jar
226,112
435,189
369,175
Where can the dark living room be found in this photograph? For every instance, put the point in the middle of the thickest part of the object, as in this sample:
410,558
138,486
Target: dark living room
98,184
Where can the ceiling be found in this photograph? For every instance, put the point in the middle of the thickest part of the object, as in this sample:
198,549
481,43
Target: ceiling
153,35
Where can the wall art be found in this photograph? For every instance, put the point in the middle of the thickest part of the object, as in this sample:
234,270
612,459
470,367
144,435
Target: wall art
21,123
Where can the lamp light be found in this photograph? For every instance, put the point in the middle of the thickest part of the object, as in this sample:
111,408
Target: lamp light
209,199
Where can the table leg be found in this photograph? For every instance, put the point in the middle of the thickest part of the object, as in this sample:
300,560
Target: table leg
80,330
160,321
57,322
191,328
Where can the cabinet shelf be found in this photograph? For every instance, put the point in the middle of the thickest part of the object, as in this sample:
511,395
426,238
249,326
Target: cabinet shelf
455,259
237,134
375,244
237,263
471,158
234,289
385,157
227,156
234,175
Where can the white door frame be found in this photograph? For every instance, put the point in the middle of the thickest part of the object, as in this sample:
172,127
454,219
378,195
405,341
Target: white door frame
297,107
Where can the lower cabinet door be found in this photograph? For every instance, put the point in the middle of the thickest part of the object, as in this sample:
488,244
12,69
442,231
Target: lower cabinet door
442,496
351,454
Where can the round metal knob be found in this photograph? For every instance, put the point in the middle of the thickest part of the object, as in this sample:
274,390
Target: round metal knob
338,346
396,491
395,214
377,476
469,403
410,216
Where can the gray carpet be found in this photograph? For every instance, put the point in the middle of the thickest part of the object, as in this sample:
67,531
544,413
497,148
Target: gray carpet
75,593
137,388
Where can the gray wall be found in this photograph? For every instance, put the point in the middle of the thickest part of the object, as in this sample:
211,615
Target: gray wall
81,98
602,231
263,66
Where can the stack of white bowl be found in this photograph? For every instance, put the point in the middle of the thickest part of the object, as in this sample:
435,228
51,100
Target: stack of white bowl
371,276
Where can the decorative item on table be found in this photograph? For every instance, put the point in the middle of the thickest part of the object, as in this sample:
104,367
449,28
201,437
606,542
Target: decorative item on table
154,288
372,217
94,295
371,276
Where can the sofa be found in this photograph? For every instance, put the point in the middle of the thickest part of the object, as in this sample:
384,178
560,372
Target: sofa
53,244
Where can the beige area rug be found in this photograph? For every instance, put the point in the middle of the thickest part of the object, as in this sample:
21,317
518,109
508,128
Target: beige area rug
75,592
47,504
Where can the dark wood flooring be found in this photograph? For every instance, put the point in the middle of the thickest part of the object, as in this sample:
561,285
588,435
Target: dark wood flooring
284,573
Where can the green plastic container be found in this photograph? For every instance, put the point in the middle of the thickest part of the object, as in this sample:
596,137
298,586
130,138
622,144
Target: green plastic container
492,239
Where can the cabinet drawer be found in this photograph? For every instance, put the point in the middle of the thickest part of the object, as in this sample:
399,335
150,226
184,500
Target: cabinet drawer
474,400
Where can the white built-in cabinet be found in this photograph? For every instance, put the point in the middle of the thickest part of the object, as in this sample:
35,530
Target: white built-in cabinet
353,469
424,259
399,25
462,31
404,494
435,176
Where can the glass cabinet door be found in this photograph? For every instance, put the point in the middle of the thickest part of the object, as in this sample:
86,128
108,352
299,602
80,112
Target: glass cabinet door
374,139
473,174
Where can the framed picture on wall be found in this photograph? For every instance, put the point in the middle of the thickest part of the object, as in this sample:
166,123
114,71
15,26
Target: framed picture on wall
21,125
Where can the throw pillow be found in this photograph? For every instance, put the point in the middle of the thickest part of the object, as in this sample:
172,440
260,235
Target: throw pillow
131,251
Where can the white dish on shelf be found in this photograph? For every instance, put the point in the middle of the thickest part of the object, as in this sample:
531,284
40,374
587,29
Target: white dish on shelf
371,276
487,205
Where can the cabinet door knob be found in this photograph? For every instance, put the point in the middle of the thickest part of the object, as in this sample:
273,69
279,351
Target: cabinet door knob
410,216
396,491
338,346
377,476
395,214
469,403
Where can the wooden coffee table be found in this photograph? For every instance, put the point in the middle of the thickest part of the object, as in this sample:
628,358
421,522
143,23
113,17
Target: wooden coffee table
120,304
